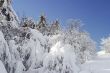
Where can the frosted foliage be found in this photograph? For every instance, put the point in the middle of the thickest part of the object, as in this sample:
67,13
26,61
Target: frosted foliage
5,56
82,45
41,47
7,14
37,53
35,46
61,59
4,50
105,44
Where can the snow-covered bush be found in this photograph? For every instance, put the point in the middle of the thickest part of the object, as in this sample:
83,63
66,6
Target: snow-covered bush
61,59
105,44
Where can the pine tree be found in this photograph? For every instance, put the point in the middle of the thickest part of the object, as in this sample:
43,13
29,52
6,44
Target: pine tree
42,25
28,22
55,28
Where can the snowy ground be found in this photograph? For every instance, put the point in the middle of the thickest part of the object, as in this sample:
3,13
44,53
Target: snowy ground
101,64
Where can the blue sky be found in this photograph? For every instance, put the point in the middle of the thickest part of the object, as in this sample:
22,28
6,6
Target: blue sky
95,14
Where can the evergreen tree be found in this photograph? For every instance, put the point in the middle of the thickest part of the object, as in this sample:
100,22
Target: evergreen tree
42,25
55,28
28,22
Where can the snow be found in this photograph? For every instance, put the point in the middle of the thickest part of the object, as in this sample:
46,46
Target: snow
3,47
61,57
12,15
20,67
2,68
29,50
101,64
101,53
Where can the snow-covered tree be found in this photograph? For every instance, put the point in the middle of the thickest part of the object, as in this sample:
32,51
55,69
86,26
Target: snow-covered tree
80,40
42,25
28,22
82,44
8,20
105,44
55,28
5,55
29,49
7,13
